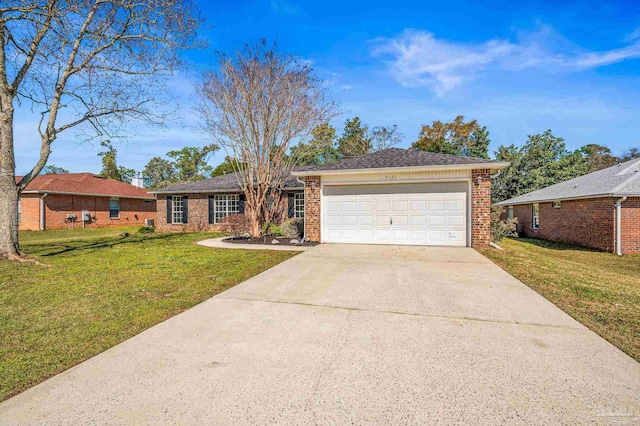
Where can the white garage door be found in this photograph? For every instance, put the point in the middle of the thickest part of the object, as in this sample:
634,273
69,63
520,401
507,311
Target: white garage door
419,213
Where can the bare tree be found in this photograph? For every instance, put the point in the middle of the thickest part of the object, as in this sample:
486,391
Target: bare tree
257,105
383,137
90,63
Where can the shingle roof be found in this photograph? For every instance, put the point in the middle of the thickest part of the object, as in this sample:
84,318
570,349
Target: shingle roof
617,181
398,157
224,183
85,184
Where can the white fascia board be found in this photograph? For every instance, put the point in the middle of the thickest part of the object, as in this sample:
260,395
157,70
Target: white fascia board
492,166
80,194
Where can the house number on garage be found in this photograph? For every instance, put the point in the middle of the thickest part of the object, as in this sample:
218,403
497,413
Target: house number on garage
390,177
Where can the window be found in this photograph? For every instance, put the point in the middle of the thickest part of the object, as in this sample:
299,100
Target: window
147,201
555,204
225,205
298,205
178,209
536,218
19,209
510,212
114,208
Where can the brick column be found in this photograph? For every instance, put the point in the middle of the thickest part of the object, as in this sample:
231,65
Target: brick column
312,208
480,207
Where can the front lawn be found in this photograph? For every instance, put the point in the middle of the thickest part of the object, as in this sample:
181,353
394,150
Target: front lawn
101,287
601,290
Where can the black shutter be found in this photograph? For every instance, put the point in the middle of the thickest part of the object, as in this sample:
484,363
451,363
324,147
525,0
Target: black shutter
241,201
290,212
169,209
185,209
211,204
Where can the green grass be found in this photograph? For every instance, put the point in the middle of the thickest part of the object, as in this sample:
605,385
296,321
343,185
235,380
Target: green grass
99,288
601,290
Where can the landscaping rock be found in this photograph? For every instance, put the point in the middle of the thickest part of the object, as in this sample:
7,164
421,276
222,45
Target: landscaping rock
294,241
275,242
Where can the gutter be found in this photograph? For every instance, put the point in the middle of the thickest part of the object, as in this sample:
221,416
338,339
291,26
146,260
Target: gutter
80,194
492,165
42,210
619,225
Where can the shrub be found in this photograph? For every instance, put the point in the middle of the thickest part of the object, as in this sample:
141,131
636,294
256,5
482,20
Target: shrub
293,228
275,230
502,228
236,225
146,230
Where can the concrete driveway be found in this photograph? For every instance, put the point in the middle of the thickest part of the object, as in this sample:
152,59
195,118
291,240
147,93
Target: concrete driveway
353,334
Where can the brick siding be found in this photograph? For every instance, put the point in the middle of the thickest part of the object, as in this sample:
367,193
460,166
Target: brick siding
631,226
480,207
588,223
198,220
58,206
312,225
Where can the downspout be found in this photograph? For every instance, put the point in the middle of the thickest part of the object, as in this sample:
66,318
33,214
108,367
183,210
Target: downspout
42,211
619,225
304,219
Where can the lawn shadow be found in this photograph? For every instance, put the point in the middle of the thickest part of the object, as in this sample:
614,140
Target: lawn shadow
552,245
42,249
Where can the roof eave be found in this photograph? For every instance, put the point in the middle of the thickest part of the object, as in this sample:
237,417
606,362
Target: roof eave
213,191
583,197
496,165
82,194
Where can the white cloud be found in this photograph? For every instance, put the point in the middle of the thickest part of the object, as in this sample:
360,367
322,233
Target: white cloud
283,7
417,58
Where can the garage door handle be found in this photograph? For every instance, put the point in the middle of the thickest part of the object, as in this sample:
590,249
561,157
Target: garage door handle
390,221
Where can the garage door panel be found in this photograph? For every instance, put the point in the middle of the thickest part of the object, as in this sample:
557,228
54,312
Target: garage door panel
423,214
436,205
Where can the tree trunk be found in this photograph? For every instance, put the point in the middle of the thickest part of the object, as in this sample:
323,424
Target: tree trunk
9,247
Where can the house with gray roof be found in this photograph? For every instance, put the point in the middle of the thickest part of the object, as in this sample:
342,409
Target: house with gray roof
599,210
393,196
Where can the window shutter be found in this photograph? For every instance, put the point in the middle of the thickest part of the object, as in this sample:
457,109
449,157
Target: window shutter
241,200
185,209
290,212
169,209
211,205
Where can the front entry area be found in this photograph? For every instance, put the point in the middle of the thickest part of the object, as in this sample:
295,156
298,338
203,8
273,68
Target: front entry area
408,214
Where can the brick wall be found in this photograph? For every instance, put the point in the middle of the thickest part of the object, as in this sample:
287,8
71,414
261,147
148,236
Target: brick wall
30,212
312,228
198,220
58,206
631,226
480,207
589,223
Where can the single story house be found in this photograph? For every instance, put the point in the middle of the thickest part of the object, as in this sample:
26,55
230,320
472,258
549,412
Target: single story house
394,196
600,210
82,200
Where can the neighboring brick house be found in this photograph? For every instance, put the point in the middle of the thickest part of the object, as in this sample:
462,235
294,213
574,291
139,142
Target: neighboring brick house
82,200
394,196
600,210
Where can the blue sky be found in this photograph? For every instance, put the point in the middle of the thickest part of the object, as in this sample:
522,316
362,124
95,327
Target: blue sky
517,67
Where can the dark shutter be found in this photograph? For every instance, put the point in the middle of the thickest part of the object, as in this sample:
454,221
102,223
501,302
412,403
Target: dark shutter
290,211
185,209
241,201
211,205
169,209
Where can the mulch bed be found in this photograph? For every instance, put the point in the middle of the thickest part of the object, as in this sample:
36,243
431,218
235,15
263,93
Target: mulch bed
267,240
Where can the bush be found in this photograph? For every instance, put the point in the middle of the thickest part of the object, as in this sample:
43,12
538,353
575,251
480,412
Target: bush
236,225
502,228
146,230
271,229
293,228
